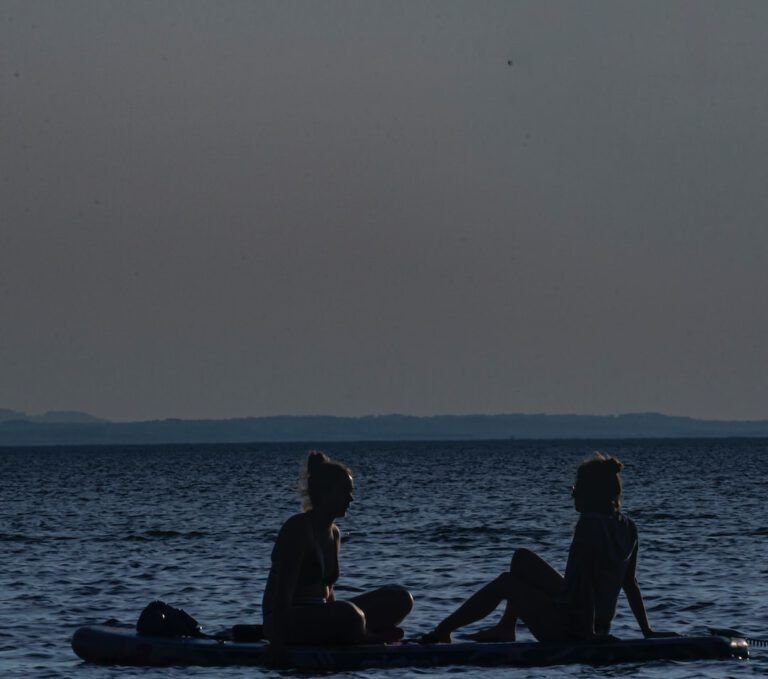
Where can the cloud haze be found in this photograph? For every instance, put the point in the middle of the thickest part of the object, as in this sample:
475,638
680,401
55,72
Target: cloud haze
229,209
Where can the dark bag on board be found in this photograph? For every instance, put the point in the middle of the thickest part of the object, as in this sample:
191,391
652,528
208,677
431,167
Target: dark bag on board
159,619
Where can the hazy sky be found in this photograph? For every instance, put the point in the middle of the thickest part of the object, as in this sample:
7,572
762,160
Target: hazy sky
222,209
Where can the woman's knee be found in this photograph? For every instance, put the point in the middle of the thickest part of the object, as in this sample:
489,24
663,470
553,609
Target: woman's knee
521,557
349,620
504,584
399,599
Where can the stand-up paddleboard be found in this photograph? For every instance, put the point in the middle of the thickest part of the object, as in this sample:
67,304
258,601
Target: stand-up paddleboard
113,645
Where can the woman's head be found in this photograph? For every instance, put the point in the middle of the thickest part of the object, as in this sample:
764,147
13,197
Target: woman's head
598,484
325,483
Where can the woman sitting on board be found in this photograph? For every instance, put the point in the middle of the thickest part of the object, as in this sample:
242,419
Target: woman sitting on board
601,561
299,603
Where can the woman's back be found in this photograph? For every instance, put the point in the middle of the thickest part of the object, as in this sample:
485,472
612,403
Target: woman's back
319,566
602,548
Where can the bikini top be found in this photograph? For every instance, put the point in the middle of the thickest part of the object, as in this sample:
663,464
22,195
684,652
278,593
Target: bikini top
313,567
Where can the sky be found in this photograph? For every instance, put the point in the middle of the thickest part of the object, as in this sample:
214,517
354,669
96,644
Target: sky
228,209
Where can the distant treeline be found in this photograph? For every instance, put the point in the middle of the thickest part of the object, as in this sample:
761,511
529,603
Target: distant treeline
33,432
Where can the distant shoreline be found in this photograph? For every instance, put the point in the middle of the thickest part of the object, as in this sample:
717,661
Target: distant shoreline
87,431
600,443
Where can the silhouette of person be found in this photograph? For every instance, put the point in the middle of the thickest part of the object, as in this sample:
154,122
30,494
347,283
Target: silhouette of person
299,605
601,561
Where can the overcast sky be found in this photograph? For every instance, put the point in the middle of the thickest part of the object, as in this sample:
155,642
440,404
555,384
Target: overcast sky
223,209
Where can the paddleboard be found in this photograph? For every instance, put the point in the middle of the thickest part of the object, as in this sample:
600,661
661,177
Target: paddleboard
118,645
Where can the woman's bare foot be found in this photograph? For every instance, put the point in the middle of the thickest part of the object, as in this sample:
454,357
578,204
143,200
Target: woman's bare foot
493,634
443,635
436,636
386,636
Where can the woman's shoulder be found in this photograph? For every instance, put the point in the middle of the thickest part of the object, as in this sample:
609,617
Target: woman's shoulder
621,524
630,524
596,521
296,525
625,520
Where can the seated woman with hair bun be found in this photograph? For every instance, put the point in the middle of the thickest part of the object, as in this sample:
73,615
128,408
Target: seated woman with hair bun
299,603
581,605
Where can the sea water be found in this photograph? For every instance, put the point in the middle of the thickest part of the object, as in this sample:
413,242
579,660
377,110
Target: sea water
89,534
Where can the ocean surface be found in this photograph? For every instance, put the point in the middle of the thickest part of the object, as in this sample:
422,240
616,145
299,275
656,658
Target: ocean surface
88,534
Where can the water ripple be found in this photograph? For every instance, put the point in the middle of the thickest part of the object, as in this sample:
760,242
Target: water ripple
94,534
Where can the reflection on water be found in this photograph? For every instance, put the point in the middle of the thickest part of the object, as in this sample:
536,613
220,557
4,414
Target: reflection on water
91,534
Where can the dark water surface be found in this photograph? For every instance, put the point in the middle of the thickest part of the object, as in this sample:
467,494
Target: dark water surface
91,534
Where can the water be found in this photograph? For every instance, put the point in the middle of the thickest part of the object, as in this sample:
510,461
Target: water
91,534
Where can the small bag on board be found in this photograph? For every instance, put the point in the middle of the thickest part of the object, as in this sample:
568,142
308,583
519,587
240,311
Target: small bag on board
160,619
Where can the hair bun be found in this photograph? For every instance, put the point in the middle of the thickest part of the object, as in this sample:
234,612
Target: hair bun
614,465
315,459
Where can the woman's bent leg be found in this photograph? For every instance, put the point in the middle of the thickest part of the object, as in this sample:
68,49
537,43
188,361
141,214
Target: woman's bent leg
530,568
337,622
538,609
385,608
481,604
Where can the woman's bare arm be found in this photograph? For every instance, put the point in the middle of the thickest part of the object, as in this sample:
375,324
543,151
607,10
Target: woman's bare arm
635,599
634,596
291,545
330,595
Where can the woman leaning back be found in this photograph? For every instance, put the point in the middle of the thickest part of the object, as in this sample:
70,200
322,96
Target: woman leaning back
601,561
299,605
